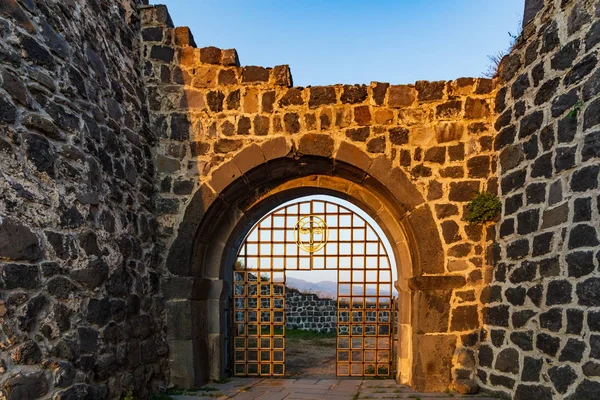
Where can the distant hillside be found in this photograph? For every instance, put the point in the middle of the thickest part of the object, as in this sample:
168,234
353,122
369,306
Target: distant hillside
325,289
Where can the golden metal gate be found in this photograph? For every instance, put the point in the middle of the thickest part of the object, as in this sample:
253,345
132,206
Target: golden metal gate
313,235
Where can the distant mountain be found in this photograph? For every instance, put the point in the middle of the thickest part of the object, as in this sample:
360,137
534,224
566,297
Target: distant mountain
326,289
323,289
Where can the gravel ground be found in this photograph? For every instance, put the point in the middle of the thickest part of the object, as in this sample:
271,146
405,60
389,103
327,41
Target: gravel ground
310,359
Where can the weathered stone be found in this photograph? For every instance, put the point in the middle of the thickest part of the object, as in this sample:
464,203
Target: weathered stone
547,344
17,242
448,132
555,216
530,124
466,386
92,276
362,115
523,339
61,287
588,292
580,263
478,167
513,181
253,74
400,136
562,376
531,369
321,95
41,153
463,191
508,361
591,369
538,392
26,386
500,380
400,96
27,353
572,351
376,145
358,134
214,100
20,276
379,91
353,94
580,70
429,91
497,316
293,96
551,319
464,318
564,58
583,235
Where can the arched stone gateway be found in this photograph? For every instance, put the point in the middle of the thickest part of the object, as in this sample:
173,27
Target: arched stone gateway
206,249
125,196
235,142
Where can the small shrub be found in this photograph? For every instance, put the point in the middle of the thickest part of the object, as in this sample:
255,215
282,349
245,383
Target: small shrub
482,208
575,110
129,395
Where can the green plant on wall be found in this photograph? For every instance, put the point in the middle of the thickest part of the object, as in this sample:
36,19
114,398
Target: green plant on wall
575,110
482,208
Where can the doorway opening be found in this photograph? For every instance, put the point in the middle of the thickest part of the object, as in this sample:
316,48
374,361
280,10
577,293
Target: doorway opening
345,259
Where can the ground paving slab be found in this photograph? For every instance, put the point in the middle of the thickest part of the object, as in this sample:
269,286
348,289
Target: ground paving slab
331,389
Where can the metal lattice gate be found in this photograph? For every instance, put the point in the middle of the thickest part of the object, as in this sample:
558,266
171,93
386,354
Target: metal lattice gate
313,235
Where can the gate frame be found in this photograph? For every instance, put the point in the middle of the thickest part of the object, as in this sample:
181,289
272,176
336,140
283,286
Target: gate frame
200,257
343,210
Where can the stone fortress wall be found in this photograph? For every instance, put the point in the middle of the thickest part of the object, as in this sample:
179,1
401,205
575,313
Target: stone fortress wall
543,341
309,312
81,315
113,124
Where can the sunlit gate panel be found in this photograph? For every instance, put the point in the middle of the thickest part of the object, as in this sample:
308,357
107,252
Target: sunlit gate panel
364,345
259,317
313,235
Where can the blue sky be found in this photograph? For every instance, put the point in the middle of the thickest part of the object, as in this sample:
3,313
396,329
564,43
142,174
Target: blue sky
356,41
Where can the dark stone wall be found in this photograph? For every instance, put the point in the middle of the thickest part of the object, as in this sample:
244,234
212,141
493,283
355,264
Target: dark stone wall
80,314
309,312
542,332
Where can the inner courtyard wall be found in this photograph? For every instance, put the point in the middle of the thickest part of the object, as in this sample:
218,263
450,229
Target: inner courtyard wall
309,312
543,341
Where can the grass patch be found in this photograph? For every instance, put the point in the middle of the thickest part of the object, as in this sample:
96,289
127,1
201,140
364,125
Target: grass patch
307,335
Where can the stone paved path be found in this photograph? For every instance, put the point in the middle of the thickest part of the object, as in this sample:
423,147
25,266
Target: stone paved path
330,389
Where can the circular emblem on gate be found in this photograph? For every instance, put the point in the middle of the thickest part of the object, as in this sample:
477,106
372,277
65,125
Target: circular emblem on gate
311,233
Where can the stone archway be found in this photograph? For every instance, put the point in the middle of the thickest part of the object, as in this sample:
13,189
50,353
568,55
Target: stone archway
254,182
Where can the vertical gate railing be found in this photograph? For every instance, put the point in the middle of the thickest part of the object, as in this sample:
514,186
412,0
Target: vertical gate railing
259,322
313,235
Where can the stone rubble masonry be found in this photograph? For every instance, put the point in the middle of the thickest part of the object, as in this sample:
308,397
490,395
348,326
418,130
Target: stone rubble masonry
216,120
541,337
309,312
112,121
81,315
